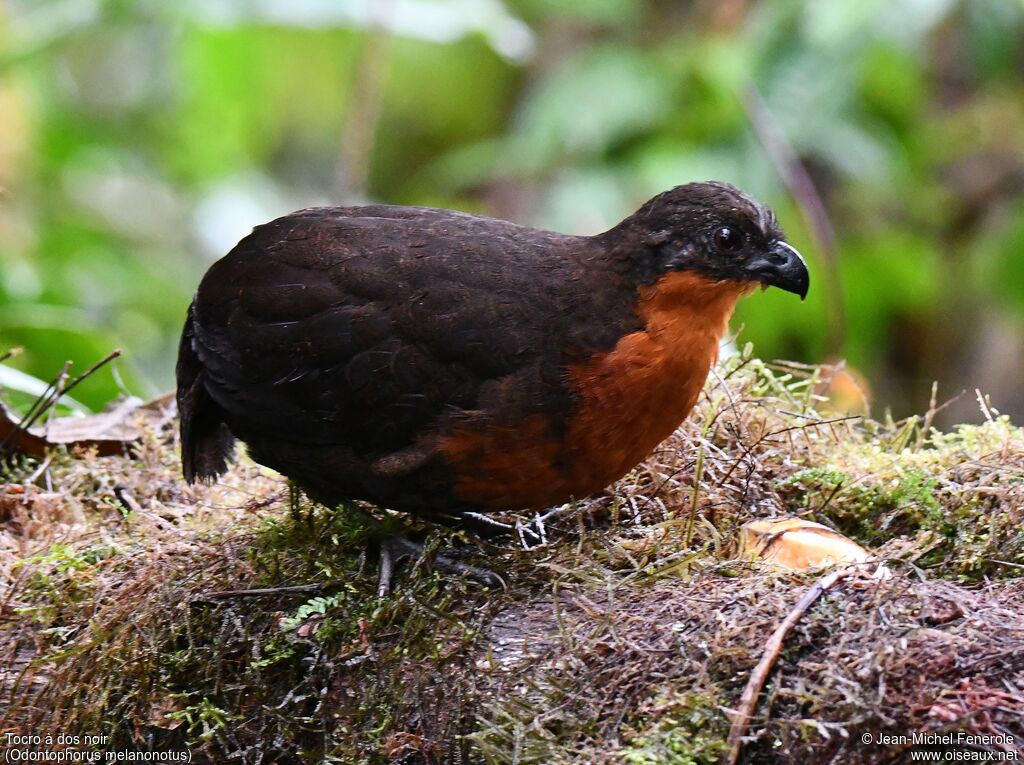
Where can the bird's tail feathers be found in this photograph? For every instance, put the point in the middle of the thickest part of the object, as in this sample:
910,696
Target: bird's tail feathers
207,444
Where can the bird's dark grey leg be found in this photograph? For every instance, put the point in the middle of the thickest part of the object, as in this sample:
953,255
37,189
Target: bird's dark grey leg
387,566
394,549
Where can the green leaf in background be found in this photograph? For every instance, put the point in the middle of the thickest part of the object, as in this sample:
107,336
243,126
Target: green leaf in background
590,102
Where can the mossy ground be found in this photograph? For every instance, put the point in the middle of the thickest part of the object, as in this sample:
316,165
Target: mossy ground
626,637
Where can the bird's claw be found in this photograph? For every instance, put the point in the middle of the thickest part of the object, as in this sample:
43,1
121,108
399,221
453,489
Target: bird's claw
394,549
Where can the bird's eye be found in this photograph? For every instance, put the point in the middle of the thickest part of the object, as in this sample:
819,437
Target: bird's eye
728,241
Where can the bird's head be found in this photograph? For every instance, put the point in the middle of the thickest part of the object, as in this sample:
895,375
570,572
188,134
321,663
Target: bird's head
714,230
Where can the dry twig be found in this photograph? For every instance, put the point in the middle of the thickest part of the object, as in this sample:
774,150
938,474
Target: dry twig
748,701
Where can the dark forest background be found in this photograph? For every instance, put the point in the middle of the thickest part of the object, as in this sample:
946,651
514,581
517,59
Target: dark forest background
140,139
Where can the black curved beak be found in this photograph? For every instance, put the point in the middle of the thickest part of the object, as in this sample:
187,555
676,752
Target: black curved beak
781,267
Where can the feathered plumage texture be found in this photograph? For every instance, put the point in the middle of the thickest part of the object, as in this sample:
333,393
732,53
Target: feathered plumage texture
422,358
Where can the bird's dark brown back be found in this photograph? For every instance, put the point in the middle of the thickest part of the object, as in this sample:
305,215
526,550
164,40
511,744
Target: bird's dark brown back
342,343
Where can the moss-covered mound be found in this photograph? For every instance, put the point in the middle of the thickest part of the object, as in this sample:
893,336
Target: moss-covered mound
627,636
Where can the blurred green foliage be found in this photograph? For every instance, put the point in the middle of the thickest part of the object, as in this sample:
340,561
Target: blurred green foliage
140,139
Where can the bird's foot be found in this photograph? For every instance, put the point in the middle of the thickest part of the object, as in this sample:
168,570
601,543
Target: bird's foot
529,534
395,549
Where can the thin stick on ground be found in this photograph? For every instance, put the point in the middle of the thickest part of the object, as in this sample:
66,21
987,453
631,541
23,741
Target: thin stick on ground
748,701
266,591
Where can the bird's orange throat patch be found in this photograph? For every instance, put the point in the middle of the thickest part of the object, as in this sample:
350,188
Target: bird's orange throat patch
628,400
683,302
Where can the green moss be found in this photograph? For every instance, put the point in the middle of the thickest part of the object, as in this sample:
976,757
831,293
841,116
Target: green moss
684,729
204,717
60,577
318,673
871,510
875,498
636,596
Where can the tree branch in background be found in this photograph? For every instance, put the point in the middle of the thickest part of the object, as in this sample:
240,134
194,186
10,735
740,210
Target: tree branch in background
364,106
799,183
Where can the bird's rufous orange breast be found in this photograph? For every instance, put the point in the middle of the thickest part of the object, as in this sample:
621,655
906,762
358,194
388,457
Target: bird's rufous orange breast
627,401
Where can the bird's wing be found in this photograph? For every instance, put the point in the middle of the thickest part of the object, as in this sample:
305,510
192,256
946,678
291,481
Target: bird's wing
363,326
